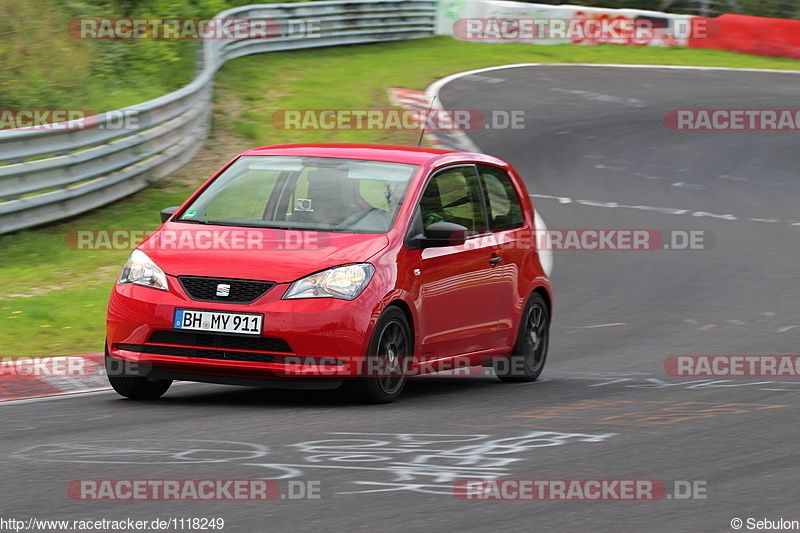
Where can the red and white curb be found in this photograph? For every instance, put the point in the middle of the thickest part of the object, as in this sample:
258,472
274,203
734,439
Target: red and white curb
23,378
420,101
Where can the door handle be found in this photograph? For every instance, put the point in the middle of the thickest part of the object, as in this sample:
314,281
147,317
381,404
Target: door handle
495,260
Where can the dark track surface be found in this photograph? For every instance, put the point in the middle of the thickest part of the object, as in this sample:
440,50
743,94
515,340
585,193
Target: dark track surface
606,406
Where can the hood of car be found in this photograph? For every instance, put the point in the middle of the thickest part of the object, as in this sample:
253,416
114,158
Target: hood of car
266,254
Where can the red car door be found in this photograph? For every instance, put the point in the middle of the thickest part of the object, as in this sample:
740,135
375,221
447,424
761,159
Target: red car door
460,287
507,223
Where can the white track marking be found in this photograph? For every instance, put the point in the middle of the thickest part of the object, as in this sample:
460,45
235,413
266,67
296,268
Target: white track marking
665,210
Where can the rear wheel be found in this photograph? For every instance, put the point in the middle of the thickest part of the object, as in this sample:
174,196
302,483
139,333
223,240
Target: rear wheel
530,350
389,350
134,387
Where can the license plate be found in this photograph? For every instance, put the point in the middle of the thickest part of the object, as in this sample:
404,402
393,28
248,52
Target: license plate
218,321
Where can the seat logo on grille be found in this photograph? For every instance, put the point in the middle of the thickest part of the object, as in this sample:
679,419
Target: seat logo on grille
223,289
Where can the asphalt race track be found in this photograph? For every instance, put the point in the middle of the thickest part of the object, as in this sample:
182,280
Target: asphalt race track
596,154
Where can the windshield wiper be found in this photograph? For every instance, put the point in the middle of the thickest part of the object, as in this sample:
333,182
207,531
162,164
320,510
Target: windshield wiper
193,221
226,223
243,224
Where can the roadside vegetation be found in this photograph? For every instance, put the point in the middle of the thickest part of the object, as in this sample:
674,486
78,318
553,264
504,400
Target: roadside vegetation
42,66
54,298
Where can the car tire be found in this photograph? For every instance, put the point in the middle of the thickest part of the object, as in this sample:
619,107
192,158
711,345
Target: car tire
134,387
530,349
385,366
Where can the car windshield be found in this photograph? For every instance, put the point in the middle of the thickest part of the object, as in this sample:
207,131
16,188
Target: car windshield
314,193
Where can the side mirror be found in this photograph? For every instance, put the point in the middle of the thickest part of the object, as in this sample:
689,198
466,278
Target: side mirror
441,234
168,212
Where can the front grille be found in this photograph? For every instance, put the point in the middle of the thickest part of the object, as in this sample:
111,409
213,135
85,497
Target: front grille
242,291
209,340
228,355
212,346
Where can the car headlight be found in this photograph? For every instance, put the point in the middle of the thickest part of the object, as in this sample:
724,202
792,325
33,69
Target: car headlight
141,270
344,282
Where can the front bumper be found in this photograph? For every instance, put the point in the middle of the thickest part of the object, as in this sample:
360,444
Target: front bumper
315,339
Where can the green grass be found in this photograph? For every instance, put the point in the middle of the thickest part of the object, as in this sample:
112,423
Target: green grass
67,288
43,67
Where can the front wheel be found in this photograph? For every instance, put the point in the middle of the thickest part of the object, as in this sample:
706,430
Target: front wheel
389,352
530,350
134,387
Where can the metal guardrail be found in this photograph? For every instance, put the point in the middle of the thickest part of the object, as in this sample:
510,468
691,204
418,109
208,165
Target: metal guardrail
47,175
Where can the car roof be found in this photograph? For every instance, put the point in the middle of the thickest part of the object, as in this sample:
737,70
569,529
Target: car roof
413,155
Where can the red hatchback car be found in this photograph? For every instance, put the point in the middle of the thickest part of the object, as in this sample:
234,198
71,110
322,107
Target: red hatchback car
319,266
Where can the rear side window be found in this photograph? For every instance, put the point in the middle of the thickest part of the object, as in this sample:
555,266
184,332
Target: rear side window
505,211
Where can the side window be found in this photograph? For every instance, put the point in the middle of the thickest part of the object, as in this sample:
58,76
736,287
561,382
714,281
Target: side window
453,195
505,211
